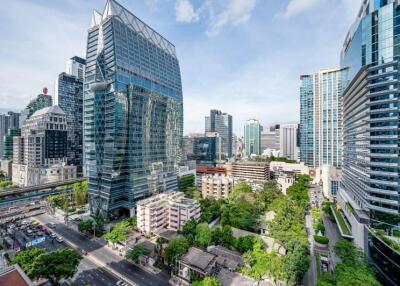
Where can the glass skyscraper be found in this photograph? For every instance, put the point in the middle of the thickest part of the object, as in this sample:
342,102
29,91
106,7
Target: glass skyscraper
133,111
369,193
222,124
69,96
252,137
321,117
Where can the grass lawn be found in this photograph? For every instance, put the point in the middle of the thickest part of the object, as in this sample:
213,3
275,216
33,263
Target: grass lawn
342,223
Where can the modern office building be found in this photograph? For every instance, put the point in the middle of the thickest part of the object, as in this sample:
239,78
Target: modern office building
222,124
69,97
8,142
252,138
9,125
133,111
166,211
270,139
41,146
216,186
321,117
289,141
76,66
4,126
369,194
202,148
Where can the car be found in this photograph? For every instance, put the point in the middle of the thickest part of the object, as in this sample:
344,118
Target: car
59,239
84,252
52,225
121,283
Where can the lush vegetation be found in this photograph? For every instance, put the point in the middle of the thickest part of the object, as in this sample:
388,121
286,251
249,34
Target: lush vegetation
80,193
326,207
207,281
54,266
175,248
262,263
121,231
353,269
321,239
136,252
185,182
5,184
210,209
342,223
85,226
281,159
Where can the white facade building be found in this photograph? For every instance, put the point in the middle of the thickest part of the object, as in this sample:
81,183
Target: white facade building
166,210
288,141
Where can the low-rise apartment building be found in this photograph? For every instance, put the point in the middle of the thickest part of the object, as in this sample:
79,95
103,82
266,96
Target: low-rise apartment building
167,210
216,186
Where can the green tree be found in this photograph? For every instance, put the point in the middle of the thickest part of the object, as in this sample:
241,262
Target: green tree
86,225
210,209
348,275
227,236
186,182
241,214
2,175
175,248
296,261
99,222
136,252
245,243
56,265
79,193
189,230
203,235
207,281
121,231
26,258
5,184
238,190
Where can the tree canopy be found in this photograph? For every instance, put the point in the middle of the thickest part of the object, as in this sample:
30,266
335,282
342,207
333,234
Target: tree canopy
175,248
121,231
54,266
207,281
136,252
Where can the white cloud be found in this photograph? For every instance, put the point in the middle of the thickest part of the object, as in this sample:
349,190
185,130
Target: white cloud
185,12
235,12
296,7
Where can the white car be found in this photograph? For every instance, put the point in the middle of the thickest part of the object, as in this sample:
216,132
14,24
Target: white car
52,225
121,283
59,239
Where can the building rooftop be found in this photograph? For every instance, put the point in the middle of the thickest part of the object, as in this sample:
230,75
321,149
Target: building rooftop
113,8
225,257
229,278
51,109
200,259
14,276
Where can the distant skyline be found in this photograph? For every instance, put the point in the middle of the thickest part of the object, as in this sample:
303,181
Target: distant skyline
243,57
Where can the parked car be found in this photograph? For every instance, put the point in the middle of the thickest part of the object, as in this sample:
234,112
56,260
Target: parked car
53,235
52,225
59,239
121,283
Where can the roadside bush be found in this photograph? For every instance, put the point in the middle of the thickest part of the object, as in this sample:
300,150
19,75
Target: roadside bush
319,227
321,239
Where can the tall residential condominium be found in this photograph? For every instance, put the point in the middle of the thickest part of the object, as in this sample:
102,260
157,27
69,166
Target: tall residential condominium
321,117
289,141
9,124
41,101
69,97
133,111
252,137
369,195
222,123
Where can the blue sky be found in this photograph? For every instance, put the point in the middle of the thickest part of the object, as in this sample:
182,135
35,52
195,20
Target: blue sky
241,56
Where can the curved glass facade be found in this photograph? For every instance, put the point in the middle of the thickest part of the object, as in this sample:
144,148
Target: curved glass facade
133,111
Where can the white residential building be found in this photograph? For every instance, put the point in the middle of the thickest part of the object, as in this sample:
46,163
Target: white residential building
167,210
288,141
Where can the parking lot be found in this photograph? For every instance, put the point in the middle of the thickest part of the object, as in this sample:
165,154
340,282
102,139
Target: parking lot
20,234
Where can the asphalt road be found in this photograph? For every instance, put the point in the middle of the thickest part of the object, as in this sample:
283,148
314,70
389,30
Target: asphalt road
100,252
333,233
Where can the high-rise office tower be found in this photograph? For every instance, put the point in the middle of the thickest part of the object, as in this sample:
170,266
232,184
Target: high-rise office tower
321,117
41,101
270,139
4,126
133,111
69,97
369,194
222,123
252,137
288,141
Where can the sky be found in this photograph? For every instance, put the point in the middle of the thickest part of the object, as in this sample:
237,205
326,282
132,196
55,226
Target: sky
243,57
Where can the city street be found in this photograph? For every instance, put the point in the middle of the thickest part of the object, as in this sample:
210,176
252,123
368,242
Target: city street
102,256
